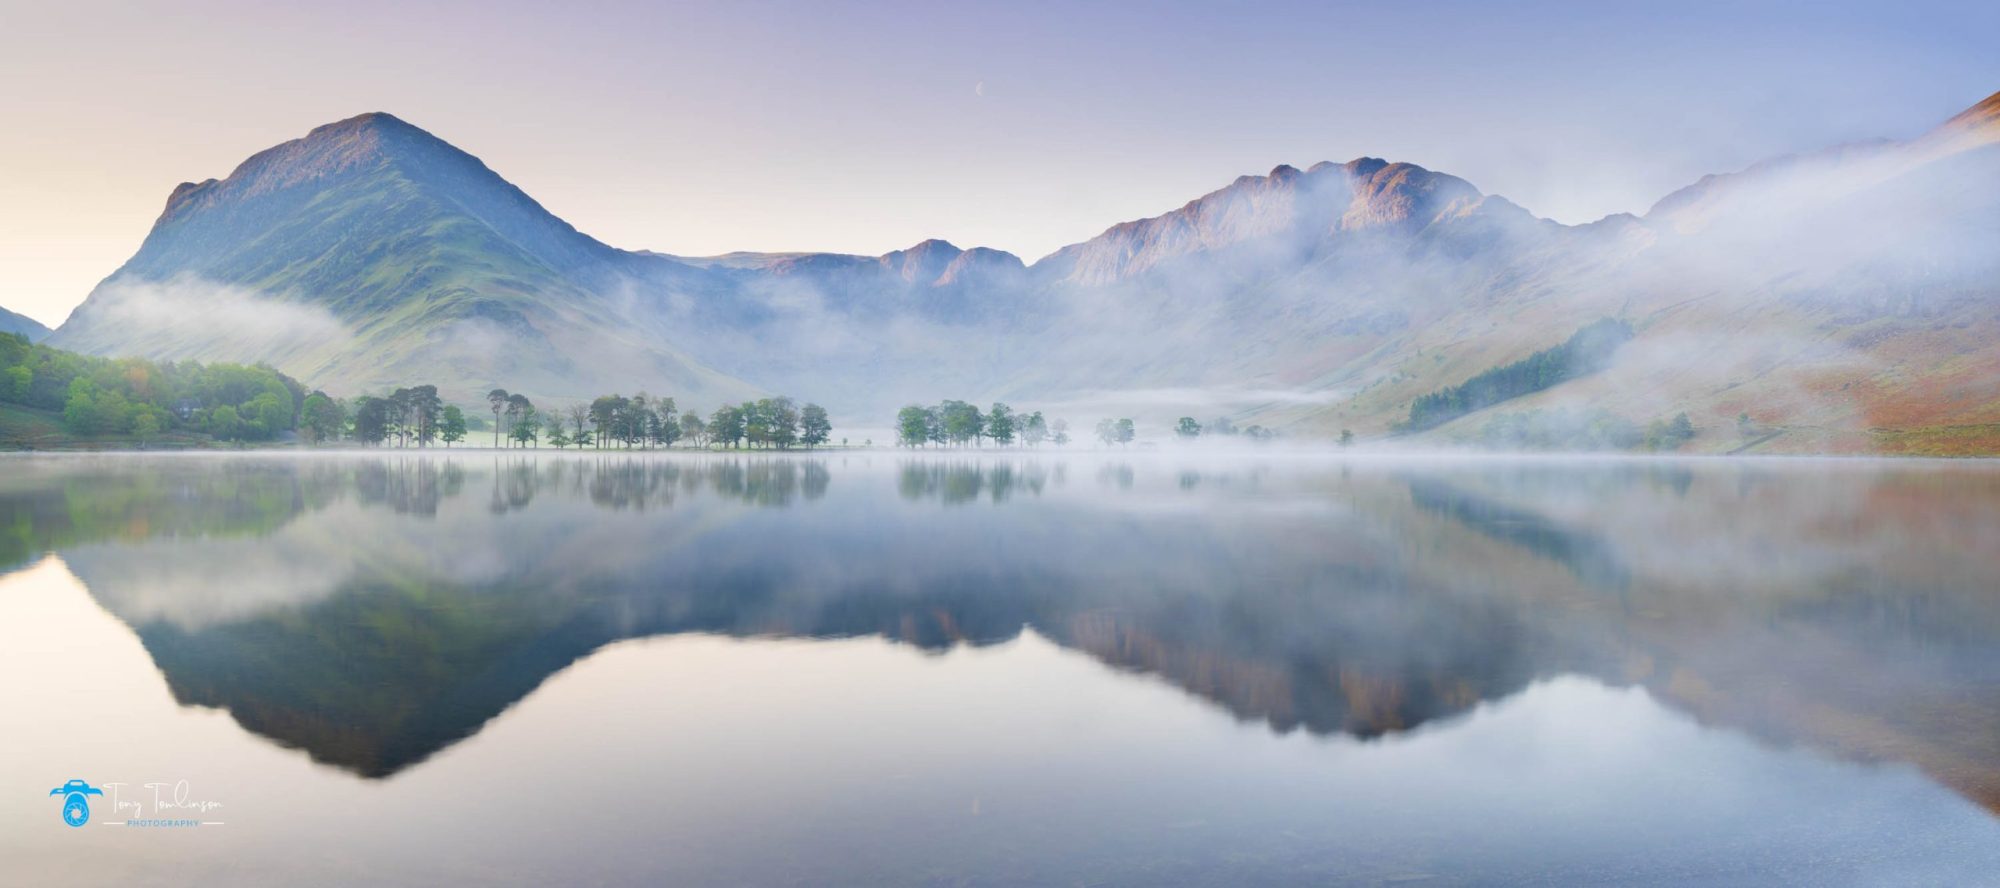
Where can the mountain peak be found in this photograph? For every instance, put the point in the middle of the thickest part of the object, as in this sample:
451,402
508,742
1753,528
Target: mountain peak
359,142
366,119
922,263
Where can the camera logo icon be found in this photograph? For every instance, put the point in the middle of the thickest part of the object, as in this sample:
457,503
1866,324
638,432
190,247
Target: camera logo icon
76,801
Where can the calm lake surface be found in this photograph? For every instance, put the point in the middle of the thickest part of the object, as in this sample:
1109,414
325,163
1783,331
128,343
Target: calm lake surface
992,670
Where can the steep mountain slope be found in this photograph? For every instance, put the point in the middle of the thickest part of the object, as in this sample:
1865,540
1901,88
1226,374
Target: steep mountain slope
370,254
1843,301
21,324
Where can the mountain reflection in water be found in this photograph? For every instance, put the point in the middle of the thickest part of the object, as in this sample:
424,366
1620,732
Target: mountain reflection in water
372,611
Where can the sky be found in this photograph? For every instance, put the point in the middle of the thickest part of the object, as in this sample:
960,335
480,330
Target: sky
700,128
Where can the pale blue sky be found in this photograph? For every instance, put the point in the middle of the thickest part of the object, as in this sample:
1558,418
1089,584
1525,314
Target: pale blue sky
698,128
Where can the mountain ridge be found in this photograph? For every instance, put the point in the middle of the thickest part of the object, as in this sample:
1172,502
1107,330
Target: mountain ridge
1325,282
12,322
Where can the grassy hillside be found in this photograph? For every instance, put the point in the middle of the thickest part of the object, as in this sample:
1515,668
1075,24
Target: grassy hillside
26,428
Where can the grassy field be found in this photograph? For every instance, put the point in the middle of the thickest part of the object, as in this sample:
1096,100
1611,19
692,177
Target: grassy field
1945,440
24,428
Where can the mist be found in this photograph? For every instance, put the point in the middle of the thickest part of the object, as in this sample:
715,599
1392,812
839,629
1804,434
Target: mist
1807,293
190,317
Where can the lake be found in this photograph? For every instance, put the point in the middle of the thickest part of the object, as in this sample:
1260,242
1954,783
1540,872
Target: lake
998,669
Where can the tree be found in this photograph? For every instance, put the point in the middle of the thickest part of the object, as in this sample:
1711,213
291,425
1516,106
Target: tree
425,408
521,412
962,422
80,408
371,420
1187,428
636,420
1000,424
814,427
1107,432
145,426
1669,434
16,382
527,430
604,413
781,422
451,425
1125,431
1587,351
934,432
556,435
693,429
1346,438
726,426
321,418
756,424
912,426
224,424
666,426
265,416
1059,432
1035,430
976,424
498,398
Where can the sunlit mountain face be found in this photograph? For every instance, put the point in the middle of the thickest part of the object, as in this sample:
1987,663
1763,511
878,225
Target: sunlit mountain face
1839,300
373,612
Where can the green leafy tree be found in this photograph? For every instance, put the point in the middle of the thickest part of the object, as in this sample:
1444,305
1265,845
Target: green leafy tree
16,382
451,425
605,413
912,426
321,419
1346,438
553,426
666,422
146,426
1000,424
527,427
1125,431
425,408
814,427
962,422
1107,431
521,416
783,418
1187,428
756,425
371,420
223,424
725,426
80,407
265,416
693,429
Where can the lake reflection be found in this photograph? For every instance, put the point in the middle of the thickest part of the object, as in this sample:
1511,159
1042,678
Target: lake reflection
881,668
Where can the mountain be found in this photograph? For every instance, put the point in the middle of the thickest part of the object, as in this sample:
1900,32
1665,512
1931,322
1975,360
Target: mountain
1843,299
22,324
370,254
